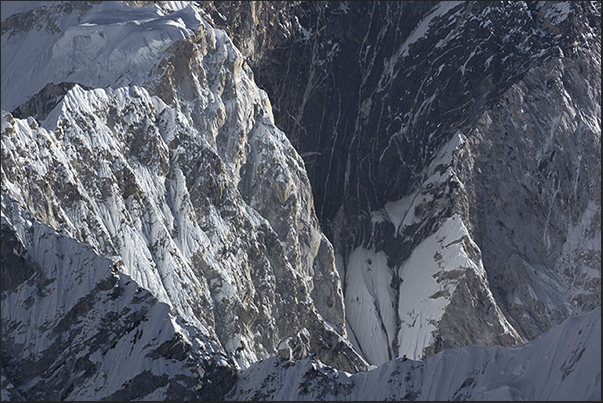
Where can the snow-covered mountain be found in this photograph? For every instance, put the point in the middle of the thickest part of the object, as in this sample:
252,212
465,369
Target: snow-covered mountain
159,233
202,205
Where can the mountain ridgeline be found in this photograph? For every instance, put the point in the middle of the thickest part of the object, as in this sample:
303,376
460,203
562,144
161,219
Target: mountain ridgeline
301,200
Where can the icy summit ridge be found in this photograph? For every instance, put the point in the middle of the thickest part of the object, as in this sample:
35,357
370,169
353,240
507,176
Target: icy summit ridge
95,45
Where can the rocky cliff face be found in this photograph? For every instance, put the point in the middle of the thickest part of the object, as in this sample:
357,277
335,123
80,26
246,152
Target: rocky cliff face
184,196
416,177
411,116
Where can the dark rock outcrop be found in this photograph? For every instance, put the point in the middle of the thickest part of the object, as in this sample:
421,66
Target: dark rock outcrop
368,92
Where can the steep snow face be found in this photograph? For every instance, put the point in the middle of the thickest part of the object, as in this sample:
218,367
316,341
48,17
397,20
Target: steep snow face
562,364
437,297
76,328
162,157
174,53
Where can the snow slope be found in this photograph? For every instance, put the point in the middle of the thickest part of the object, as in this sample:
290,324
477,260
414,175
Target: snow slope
395,309
78,318
563,364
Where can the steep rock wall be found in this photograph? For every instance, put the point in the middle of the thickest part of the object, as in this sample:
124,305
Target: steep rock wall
380,91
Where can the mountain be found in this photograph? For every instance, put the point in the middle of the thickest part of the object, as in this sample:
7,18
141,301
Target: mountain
300,200
426,124
201,206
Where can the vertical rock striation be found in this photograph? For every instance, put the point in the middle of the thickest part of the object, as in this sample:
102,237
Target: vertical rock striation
381,93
